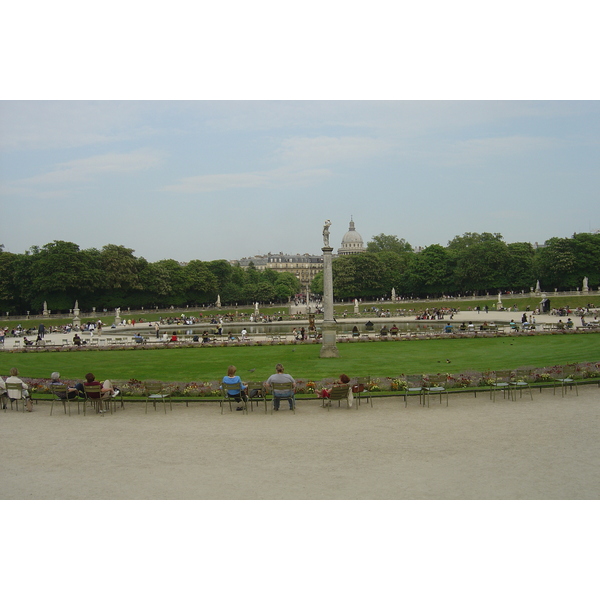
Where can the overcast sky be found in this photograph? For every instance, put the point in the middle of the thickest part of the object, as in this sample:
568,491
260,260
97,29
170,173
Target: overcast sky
227,179
209,179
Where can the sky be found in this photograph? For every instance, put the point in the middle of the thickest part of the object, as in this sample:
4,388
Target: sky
230,179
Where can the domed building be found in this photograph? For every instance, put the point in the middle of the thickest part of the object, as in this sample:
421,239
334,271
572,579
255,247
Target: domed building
352,242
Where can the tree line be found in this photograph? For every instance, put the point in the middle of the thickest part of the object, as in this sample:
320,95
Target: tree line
473,263
60,273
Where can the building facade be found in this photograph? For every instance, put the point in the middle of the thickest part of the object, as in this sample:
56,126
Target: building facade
304,266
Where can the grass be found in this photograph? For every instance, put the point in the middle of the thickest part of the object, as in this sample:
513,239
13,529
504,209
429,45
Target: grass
375,359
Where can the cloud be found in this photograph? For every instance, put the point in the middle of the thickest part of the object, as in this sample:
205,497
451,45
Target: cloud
324,150
82,170
282,177
304,161
26,125
472,152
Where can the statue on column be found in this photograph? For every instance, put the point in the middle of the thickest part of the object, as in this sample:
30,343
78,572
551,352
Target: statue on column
326,233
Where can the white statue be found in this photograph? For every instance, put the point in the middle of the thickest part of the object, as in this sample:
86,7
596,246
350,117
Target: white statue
118,311
585,284
326,233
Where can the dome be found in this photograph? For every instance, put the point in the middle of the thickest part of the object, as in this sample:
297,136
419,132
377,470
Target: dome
352,241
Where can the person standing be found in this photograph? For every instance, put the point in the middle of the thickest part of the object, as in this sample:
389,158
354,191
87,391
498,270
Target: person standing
280,377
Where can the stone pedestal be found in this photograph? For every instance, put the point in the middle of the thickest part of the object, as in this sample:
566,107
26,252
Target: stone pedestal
328,346
76,319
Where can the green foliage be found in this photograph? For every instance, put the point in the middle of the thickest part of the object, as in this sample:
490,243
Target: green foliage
388,243
60,273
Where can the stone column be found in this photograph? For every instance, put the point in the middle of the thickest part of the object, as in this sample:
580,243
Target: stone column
328,347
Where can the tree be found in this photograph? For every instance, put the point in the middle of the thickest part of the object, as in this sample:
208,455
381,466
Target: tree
430,271
521,273
57,273
586,247
481,261
201,283
121,269
556,264
388,243
357,275
316,285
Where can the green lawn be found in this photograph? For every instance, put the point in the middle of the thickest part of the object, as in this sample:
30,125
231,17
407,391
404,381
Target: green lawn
376,359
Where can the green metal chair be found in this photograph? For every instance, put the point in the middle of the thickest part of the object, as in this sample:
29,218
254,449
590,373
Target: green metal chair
16,387
259,396
566,378
436,384
500,380
155,392
60,393
414,385
363,390
284,387
520,381
227,397
339,393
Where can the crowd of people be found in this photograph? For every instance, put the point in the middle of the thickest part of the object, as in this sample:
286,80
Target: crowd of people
82,390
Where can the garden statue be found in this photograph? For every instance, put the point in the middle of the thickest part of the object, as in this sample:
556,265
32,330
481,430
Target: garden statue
326,233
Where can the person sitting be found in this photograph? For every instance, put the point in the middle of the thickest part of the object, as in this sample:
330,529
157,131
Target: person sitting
448,328
232,379
383,331
18,394
138,338
280,377
3,394
77,340
105,392
343,380
355,332
71,392
394,330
